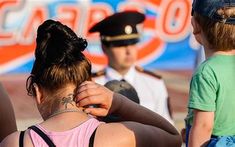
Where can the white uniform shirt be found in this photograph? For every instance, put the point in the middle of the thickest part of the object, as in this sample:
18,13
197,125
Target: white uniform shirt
151,90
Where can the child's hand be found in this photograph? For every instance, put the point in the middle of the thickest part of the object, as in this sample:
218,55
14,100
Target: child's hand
91,93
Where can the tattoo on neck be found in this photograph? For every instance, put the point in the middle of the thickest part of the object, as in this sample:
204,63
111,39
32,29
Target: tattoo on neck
68,100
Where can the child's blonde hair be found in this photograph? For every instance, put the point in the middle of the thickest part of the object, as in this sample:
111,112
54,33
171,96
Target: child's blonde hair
220,35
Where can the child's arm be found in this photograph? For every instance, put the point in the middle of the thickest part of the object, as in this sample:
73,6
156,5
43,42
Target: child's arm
202,127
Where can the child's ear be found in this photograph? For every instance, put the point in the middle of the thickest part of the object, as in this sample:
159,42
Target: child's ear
38,93
197,31
196,26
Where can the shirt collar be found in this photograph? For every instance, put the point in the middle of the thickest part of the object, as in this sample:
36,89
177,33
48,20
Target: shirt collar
112,74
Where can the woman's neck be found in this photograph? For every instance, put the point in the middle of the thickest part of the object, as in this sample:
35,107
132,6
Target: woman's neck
65,119
62,102
66,110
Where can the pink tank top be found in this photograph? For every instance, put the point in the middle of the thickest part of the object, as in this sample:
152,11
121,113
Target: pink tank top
76,137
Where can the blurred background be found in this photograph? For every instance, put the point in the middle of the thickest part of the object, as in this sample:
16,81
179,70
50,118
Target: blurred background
167,45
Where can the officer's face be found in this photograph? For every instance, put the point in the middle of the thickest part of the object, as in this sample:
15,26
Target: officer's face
121,57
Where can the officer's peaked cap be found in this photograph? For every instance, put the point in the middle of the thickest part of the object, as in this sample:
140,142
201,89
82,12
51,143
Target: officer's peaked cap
119,29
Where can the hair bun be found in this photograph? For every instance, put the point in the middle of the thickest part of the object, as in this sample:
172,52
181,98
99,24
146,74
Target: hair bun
58,44
81,44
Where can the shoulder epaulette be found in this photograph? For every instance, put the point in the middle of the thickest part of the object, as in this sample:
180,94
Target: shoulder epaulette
142,70
98,74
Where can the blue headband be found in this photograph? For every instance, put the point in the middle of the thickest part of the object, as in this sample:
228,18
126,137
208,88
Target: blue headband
209,9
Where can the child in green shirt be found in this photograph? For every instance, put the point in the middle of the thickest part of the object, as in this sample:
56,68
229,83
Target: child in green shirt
212,92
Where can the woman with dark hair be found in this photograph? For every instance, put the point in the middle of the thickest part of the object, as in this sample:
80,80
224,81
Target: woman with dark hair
59,82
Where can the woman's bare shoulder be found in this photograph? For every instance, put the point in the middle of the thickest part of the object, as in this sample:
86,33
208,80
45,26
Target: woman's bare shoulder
115,135
11,140
131,134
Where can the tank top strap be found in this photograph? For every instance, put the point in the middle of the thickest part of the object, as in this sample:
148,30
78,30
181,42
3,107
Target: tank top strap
21,139
91,141
43,136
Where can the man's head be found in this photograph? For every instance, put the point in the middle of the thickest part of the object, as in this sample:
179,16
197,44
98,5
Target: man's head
118,35
124,88
214,23
121,58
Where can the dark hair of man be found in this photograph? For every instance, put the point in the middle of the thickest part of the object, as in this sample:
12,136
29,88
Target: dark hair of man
58,58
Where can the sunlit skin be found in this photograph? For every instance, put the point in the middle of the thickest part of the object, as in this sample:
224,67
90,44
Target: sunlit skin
121,58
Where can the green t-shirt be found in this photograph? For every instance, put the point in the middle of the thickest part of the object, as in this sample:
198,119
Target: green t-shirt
212,89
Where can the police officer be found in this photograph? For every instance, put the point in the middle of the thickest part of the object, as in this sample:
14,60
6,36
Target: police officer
119,35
